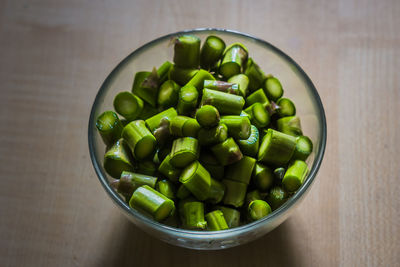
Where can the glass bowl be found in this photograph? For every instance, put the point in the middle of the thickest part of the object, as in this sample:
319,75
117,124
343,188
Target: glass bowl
297,86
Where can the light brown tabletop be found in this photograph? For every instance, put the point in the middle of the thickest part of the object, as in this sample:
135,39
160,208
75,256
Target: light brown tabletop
55,55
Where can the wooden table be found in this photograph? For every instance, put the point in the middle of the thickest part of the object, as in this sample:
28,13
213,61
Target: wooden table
54,57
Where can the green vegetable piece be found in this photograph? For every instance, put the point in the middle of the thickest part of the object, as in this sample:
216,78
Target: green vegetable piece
199,78
239,127
227,152
263,177
259,116
255,75
217,191
226,87
243,81
241,170
250,145
197,180
304,147
184,151
181,75
216,221
168,94
147,112
163,71
149,201
194,215
295,175
211,51
233,60
277,196
187,51
253,195
171,172
232,216
210,162
118,159
166,188
140,140
258,209
279,173
257,96
224,102
184,126
273,88
109,127
187,102
235,193
289,125
207,116
145,86
276,148
128,105
213,136
286,107
155,121
130,181
147,167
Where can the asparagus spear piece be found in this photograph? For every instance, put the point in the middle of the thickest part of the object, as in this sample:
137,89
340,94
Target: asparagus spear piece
118,159
273,88
197,180
295,175
276,148
155,121
171,172
250,145
227,152
145,86
304,147
184,126
184,151
217,191
255,75
263,177
128,105
181,75
239,127
168,94
187,51
147,200
253,195
216,221
211,51
207,116
259,116
224,102
166,188
243,81
199,78
182,192
257,96
211,164
232,216
187,101
277,196
213,136
163,71
235,193
226,87
109,127
130,181
286,107
147,112
194,215
233,60
140,140
289,125
147,167
258,209
279,173
241,170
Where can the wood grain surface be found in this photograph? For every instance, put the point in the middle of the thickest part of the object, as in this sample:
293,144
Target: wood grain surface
54,56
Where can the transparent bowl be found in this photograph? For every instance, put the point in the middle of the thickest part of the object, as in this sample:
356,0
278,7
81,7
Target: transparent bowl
297,86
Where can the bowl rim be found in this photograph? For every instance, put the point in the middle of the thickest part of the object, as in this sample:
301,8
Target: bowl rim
223,233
